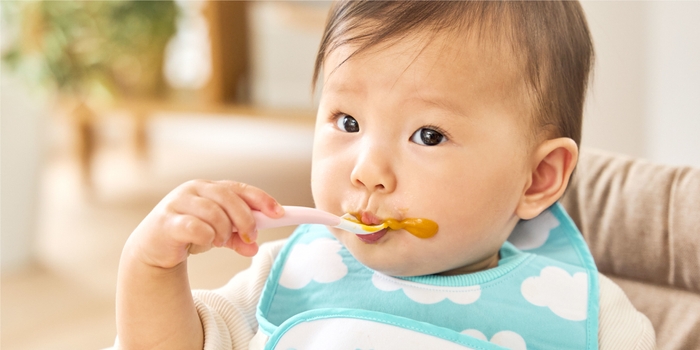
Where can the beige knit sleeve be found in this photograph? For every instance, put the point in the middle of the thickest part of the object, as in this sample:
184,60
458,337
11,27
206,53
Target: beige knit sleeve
228,313
621,326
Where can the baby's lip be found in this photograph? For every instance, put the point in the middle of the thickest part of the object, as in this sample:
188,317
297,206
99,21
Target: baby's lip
368,218
373,237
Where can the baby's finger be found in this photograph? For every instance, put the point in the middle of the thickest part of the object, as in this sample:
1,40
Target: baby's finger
236,209
197,249
241,247
231,196
208,211
191,230
256,198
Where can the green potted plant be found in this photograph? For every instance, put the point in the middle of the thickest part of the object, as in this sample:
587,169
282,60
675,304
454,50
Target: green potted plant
92,48
89,53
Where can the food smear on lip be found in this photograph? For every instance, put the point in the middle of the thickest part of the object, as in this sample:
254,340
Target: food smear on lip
421,228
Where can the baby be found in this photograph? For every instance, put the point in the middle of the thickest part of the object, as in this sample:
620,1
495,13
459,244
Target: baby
464,113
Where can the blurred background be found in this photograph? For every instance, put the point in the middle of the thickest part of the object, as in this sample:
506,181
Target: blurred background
108,105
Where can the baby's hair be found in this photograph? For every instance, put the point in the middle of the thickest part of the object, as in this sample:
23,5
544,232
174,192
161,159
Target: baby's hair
549,39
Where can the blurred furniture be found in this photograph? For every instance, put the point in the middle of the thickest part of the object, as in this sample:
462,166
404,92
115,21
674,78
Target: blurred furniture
224,92
642,223
228,32
228,90
106,57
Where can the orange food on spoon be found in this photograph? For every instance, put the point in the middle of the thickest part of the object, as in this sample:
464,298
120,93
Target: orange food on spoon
421,228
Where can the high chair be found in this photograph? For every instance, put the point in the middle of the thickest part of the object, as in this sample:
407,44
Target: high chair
642,223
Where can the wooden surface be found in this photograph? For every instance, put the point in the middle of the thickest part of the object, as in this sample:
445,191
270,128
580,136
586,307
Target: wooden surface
228,30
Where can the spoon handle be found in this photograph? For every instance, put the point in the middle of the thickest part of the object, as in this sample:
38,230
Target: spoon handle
303,215
294,215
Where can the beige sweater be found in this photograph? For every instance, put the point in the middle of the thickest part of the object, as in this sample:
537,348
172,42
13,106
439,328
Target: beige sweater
228,313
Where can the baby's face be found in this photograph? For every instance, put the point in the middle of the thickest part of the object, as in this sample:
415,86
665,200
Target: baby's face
414,131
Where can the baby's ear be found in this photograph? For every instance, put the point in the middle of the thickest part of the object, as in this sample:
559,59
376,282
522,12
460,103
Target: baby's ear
553,161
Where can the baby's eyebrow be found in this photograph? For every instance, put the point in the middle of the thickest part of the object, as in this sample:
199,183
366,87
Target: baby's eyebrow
441,103
342,88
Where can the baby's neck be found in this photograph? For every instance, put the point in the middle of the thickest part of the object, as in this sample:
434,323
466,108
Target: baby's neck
485,264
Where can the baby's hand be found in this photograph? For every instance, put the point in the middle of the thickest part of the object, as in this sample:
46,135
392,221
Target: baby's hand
198,215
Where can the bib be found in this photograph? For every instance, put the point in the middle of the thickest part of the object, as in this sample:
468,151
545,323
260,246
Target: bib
542,295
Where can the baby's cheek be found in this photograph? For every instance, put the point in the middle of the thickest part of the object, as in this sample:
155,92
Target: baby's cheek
320,188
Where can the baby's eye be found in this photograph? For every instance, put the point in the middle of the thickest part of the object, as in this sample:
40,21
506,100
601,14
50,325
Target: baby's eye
428,137
347,123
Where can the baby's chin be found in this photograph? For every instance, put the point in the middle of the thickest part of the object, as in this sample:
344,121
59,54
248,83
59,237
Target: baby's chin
379,257
397,267
386,257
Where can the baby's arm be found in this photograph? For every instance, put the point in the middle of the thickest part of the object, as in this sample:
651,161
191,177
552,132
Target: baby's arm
155,309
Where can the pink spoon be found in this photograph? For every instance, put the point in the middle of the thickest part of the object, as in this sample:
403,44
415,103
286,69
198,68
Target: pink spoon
302,215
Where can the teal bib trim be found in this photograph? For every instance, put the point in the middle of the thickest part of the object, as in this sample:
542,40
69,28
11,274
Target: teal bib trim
270,289
543,294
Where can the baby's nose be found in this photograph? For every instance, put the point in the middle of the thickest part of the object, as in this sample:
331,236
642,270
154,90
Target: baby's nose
373,171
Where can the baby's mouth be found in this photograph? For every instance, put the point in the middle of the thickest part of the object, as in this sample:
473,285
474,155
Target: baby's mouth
368,218
421,228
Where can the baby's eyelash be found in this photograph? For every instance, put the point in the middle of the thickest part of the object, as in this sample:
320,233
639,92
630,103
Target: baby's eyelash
335,114
437,128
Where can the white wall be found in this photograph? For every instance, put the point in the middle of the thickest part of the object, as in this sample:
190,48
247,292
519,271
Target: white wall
21,150
615,109
673,89
284,40
645,96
